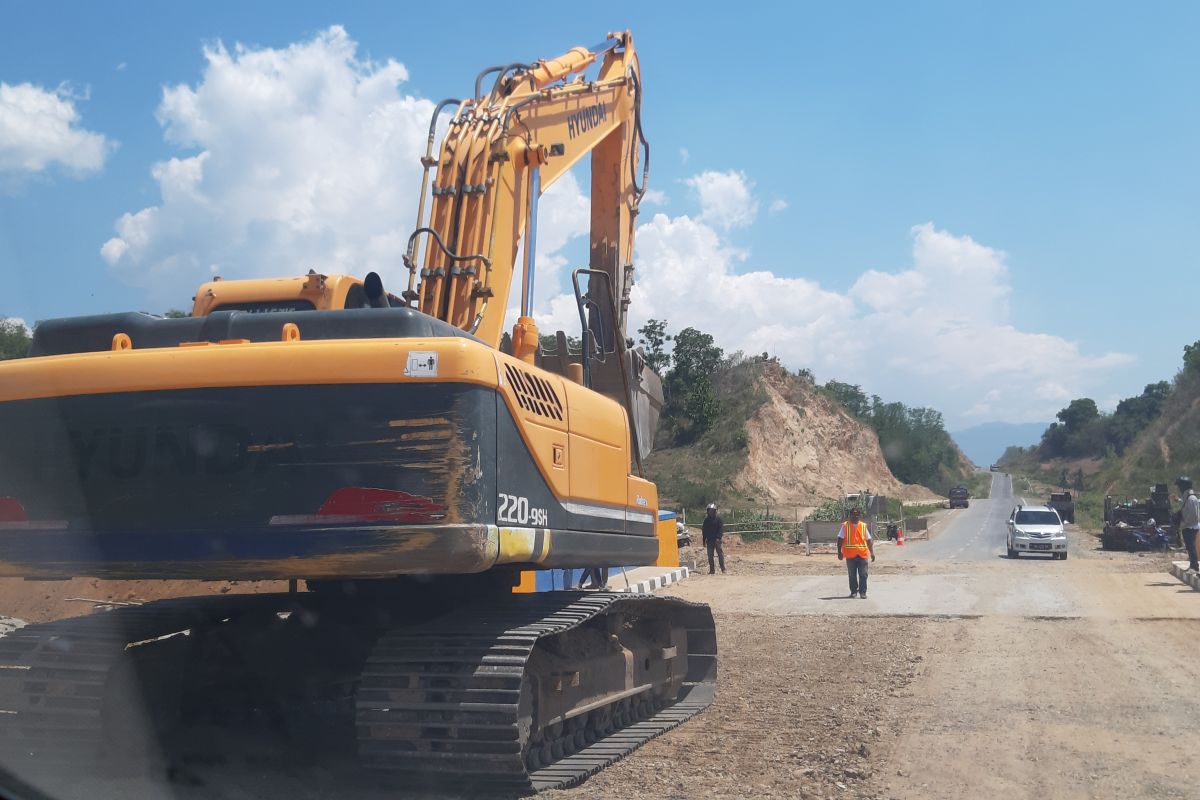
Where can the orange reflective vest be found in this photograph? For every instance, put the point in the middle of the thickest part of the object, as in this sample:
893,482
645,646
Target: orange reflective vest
854,540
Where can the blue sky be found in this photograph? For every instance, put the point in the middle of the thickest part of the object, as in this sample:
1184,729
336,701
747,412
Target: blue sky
1053,150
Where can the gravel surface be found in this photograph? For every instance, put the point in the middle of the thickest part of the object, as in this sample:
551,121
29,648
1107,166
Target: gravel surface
805,708
985,677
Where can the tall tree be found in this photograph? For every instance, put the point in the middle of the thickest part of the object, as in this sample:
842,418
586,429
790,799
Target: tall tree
691,399
1191,358
695,354
654,342
1079,413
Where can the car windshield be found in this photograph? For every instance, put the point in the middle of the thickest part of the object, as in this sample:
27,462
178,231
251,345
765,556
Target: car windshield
1037,518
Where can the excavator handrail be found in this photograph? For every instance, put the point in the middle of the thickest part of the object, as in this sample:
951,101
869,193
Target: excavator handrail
427,163
543,116
587,337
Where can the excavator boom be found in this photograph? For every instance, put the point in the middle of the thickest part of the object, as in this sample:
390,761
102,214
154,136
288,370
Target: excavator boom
501,151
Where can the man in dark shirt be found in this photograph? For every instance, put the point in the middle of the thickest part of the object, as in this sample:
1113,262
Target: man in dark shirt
714,531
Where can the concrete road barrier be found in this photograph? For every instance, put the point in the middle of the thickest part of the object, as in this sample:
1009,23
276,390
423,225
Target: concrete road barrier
1180,570
647,580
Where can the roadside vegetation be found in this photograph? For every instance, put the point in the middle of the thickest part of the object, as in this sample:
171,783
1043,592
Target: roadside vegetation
979,485
711,395
697,455
1148,439
921,509
914,440
835,510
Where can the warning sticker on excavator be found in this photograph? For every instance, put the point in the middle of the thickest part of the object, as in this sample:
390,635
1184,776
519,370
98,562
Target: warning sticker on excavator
421,364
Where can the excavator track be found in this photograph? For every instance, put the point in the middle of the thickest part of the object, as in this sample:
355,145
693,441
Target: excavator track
447,702
57,679
443,703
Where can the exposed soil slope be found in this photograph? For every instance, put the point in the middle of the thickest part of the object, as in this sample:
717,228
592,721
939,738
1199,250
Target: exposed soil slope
778,441
803,448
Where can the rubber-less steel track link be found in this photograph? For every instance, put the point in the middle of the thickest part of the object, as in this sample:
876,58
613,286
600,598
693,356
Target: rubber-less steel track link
443,701
55,677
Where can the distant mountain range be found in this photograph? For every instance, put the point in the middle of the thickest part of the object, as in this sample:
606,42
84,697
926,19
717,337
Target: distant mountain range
985,443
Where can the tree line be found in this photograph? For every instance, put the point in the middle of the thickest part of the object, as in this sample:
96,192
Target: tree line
1083,431
689,370
914,441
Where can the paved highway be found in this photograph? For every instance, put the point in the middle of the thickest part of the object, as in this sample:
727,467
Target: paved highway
976,533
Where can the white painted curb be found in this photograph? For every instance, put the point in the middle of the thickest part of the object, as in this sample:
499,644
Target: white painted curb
1180,570
650,585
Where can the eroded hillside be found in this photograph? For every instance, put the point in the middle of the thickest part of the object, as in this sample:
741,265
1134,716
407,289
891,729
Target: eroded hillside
778,440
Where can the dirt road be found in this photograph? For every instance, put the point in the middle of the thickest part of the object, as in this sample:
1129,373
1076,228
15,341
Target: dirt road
964,674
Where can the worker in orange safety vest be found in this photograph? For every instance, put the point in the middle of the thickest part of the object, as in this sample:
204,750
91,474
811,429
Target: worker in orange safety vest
855,546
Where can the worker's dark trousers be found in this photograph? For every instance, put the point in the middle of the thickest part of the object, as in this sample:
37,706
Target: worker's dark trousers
715,544
1189,541
857,568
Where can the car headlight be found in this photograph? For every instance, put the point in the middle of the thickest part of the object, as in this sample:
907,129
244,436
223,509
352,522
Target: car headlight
1018,532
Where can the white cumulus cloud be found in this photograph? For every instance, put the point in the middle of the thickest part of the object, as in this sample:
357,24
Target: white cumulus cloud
307,156
726,198
655,197
292,158
40,128
934,332
777,206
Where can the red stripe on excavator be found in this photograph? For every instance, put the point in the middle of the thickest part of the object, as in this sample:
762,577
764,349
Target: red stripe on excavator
11,510
365,504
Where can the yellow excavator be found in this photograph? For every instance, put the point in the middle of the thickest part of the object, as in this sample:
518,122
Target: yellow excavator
400,459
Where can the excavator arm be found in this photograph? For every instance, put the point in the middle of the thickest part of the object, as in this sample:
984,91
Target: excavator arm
503,148
501,151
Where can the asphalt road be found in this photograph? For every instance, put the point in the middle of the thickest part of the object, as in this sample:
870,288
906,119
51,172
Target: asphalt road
975,533
1033,677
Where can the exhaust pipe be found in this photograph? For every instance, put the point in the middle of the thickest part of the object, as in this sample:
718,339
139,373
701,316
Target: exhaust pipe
376,296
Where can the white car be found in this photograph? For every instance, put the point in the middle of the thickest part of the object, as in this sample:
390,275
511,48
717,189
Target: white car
1036,529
